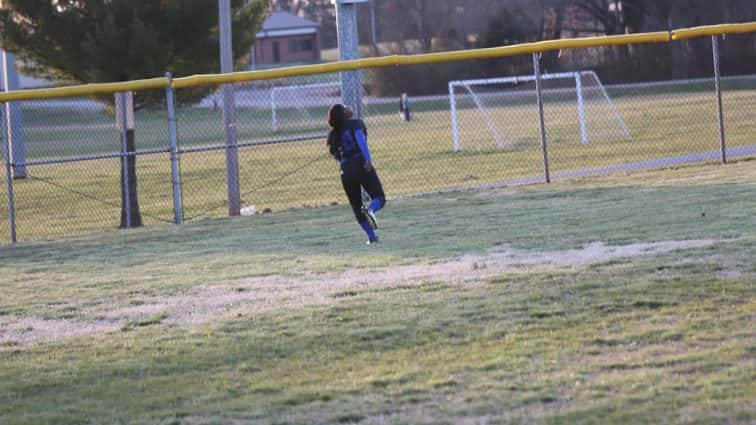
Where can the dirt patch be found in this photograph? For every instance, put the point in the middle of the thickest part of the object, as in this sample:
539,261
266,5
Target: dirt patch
206,303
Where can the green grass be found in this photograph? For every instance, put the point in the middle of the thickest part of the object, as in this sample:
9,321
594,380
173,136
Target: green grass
416,157
663,338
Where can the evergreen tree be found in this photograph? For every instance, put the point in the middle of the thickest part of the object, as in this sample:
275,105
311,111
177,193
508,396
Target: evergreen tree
90,41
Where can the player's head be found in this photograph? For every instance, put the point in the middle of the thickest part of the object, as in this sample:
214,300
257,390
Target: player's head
337,114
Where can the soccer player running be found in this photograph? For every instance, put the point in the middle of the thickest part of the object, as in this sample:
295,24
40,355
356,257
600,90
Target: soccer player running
347,142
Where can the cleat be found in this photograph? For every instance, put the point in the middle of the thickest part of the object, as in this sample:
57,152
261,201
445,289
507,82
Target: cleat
370,215
373,241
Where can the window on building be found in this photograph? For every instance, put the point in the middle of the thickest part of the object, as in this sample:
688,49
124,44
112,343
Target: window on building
301,45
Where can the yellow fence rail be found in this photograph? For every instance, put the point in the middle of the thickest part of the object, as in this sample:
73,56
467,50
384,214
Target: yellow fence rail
84,90
385,61
711,30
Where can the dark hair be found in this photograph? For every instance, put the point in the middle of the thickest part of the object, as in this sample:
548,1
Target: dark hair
337,114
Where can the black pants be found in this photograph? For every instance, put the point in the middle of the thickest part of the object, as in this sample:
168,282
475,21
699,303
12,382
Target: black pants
354,176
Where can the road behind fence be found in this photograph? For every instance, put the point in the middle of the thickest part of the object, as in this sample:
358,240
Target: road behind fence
73,172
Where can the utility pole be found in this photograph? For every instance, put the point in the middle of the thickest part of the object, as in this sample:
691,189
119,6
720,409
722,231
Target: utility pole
229,109
349,49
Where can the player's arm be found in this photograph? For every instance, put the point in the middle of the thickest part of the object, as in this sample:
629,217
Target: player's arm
362,143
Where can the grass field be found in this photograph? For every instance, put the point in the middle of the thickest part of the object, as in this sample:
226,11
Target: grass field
416,157
623,299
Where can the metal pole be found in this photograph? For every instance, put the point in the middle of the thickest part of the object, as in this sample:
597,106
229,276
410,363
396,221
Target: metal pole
14,118
229,110
123,124
9,183
718,88
453,109
178,213
581,108
537,67
349,49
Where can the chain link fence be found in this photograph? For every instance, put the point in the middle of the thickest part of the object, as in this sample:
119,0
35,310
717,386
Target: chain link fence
482,132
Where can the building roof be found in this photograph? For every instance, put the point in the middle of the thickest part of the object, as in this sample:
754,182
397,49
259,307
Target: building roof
280,24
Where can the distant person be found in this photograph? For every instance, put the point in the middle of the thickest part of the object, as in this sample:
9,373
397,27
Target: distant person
347,142
404,107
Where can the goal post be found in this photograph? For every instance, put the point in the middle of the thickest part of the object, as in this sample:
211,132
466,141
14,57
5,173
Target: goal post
490,97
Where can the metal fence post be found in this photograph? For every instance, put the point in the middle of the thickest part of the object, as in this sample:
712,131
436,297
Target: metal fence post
175,171
544,148
718,88
123,127
229,110
14,130
8,181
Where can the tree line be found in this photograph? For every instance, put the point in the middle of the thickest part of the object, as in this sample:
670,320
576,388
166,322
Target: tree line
423,26
85,41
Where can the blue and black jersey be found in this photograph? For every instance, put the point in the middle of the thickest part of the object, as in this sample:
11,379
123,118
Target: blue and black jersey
349,142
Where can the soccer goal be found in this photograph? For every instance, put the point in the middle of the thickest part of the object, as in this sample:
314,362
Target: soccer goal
504,110
296,104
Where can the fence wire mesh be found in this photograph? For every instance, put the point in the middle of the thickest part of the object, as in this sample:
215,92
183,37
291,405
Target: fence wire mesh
470,134
71,180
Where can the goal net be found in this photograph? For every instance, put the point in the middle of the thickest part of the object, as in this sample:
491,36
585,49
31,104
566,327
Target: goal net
502,113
